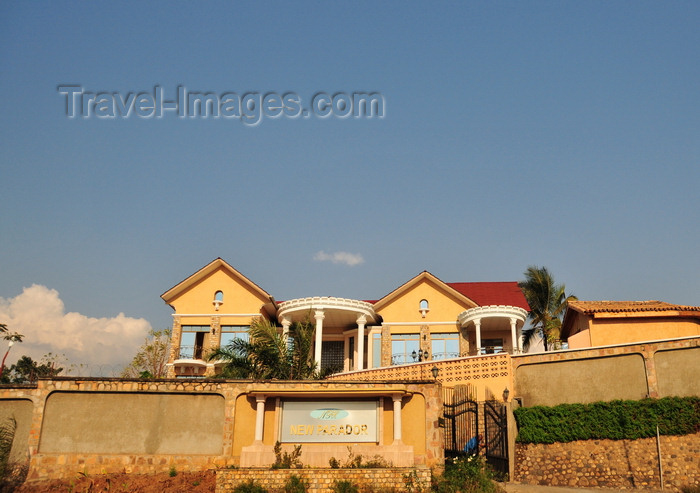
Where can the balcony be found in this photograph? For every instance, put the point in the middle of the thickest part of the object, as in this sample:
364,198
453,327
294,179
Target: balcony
416,357
189,355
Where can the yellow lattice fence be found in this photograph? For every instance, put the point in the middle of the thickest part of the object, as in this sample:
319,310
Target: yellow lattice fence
490,374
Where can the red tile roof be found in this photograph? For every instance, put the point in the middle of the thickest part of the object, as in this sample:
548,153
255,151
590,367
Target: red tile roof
492,293
627,306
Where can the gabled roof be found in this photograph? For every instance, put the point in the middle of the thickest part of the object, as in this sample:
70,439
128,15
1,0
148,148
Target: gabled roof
492,293
212,266
425,275
472,293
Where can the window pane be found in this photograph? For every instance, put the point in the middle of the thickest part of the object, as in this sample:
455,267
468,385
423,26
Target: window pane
376,350
187,345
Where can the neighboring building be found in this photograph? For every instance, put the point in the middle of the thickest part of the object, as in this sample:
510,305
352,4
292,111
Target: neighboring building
425,318
605,323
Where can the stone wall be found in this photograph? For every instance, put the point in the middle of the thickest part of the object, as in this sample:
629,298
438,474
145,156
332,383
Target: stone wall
619,464
321,480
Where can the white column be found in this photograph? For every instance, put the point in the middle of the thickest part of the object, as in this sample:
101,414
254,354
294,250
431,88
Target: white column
346,353
514,335
319,337
285,326
477,326
259,417
360,360
397,417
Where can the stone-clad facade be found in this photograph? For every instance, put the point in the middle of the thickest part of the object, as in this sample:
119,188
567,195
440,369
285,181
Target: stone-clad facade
619,464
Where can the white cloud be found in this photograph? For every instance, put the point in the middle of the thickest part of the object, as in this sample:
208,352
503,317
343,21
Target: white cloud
346,258
100,343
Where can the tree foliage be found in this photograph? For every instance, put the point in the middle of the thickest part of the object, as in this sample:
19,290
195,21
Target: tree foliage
547,301
151,358
269,354
10,336
26,370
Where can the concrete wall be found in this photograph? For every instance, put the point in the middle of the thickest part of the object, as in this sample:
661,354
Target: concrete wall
102,426
132,423
580,381
21,411
678,371
633,371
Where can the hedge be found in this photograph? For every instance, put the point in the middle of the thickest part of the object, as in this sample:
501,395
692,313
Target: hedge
614,420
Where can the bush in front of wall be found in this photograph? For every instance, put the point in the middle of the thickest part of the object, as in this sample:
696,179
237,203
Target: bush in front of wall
295,485
249,487
359,462
466,475
286,460
615,420
344,486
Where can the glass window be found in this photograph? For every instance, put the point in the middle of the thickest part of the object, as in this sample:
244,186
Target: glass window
219,296
376,350
402,347
445,345
196,328
490,346
187,342
231,332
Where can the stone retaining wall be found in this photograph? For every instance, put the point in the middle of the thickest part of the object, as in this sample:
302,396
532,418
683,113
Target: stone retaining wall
320,480
620,464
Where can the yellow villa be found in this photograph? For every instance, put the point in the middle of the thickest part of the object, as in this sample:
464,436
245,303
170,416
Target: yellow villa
608,323
423,319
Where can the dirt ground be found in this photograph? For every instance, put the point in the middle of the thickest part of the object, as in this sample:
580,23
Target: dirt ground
189,482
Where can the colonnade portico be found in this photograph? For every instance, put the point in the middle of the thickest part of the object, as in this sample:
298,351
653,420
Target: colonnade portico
260,398
338,316
516,317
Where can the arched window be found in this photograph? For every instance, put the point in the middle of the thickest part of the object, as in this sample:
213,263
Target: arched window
423,307
218,300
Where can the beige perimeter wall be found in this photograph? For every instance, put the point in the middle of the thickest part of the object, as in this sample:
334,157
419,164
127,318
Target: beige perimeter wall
97,426
133,423
631,371
19,410
678,371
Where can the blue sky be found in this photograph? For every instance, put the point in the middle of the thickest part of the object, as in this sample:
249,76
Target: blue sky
564,134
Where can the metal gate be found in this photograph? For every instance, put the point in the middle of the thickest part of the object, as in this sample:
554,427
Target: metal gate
496,436
461,420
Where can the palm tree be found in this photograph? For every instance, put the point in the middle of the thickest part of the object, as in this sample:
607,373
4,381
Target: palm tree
268,354
547,302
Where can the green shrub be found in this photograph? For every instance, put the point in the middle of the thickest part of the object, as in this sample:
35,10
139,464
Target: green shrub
286,460
615,420
344,486
249,487
295,485
359,462
466,475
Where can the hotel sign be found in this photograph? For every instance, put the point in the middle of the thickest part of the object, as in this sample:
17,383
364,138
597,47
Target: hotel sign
329,421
